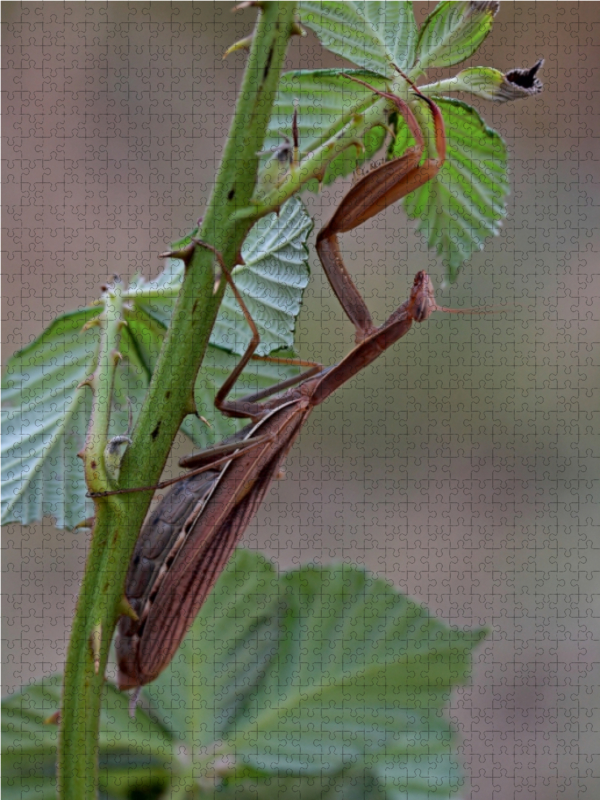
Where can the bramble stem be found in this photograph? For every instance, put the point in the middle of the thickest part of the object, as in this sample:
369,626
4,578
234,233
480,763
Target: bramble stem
119,518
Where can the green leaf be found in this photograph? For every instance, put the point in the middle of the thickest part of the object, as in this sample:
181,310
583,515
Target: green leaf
465,202
132,754
322,713
45,419
271,281
324,679
370,696
370,34
453,32
357,783
221,661
46,415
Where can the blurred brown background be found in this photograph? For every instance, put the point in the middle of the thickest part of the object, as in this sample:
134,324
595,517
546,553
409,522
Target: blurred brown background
462,466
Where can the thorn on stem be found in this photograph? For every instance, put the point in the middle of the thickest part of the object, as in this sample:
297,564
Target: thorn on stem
125,609
86,523
243,44
247,4
185,254
91,323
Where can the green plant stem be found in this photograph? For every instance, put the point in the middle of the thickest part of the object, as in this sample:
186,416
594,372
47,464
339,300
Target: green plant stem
119,518
314,163
101,383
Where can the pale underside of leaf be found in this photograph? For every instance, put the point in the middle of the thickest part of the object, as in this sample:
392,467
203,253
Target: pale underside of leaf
44,424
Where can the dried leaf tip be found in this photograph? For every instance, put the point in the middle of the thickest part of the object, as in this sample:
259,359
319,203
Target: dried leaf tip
524,81
491,84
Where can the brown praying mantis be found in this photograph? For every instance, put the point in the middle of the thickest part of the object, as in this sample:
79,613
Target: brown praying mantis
187,540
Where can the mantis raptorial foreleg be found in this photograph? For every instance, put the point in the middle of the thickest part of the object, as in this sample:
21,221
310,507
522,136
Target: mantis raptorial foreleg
378,189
